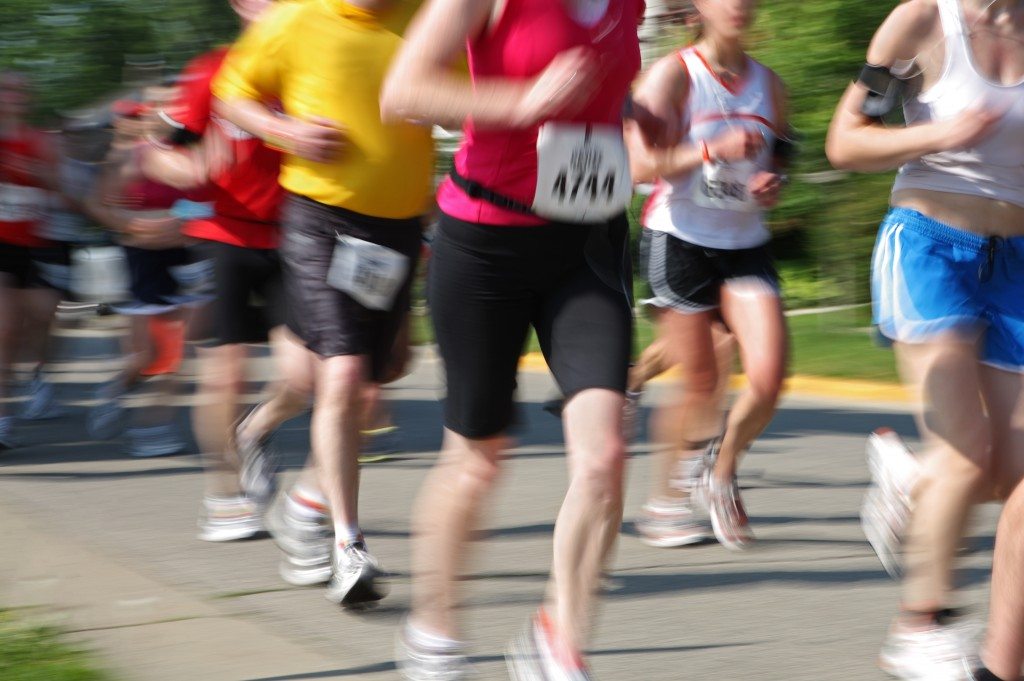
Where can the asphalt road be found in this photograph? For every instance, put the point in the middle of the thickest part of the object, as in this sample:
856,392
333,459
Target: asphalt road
809,602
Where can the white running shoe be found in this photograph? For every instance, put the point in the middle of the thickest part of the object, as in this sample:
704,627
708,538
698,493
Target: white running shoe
728,515
420,663
305,541
42,401
530,657
670,525
259,464
229,519
358,579
887,504
150,441
933,654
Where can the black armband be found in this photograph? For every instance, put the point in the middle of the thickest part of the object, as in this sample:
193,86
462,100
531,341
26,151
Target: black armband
885,91
183,137
784,149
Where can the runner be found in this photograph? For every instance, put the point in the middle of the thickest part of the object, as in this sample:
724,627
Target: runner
705,252
946,288
669,518
238,175
138,212
357,189
497,268
29,289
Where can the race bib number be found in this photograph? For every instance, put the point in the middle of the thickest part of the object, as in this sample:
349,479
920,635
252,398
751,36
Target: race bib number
372,274
724,186
21,204
582,173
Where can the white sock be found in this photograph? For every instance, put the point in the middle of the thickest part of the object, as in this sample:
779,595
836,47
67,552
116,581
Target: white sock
306,505
424,639
346,534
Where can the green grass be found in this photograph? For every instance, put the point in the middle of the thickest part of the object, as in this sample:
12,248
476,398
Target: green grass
840,345
834,344
35,653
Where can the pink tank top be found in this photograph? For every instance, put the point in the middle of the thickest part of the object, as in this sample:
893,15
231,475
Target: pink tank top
528,35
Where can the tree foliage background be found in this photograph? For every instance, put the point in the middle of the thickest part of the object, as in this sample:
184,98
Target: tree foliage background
79,53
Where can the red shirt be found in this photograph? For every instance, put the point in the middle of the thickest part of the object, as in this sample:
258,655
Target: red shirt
246,198
23,198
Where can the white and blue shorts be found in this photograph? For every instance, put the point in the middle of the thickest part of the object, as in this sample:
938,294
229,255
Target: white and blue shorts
930,280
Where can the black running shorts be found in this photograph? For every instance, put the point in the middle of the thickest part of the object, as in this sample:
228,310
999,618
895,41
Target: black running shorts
26,267
330,322
688,278
151,274
489,284
248,294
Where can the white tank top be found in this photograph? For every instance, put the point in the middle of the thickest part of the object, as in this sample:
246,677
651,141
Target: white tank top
710,206
993,169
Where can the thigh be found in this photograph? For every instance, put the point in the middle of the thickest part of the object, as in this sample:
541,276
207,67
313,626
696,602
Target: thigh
753,312
306,249
1004,400
481,315
585,330
945,376
238,275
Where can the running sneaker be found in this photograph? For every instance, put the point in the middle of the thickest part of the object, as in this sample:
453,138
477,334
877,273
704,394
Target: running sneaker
670,525
933,654
689,472
106,419
631,414
305,540
417,662
259,464
728,516
380,444
532,657
887,504
42,401
229,519
150,441
358,579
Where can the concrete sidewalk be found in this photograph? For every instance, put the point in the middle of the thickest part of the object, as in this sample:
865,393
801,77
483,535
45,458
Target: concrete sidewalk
106,546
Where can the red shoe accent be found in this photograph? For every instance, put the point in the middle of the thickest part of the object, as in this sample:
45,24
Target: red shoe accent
564,654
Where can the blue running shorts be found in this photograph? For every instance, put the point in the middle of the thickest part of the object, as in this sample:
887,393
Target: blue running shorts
930,280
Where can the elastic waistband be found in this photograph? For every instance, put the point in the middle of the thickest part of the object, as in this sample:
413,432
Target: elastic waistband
920,223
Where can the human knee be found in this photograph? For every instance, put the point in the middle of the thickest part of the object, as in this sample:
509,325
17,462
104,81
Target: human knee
968,461
701,383
341,380
765,382
478,475
601,467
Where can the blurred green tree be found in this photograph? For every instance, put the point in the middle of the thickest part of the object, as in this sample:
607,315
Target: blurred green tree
77,52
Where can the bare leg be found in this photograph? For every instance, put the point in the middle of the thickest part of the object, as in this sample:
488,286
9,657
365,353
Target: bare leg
956,466
1003,650
444,517
290,395
591,514
334,435
755,317
221,384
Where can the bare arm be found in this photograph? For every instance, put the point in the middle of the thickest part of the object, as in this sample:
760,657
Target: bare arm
856,142
663,91
422,86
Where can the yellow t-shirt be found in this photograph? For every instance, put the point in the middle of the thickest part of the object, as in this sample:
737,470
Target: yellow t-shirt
327,58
